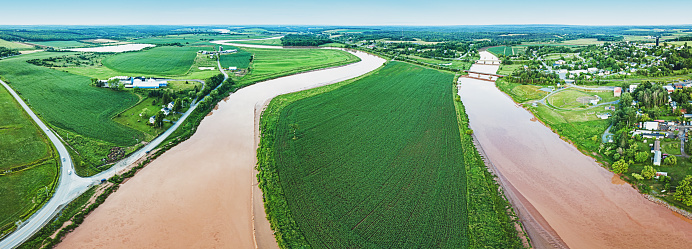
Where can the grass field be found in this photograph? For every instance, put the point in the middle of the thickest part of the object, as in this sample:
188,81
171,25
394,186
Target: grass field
131,118
455,64
70,105
521,93
61,44
502,50
14,45
22,145
241,59
197,39
273,63
158,60
509,69
270,42
377,163
575,99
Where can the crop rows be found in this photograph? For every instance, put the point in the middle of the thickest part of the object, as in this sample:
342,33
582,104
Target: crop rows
376,163
169,60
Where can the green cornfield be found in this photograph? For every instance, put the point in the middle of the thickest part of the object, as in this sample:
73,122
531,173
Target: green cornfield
377,163
156,61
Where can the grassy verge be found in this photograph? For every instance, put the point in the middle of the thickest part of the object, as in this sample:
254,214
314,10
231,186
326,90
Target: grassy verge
28,164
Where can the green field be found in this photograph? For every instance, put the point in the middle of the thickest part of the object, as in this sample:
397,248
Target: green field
241,59
158,61
521,93
502,50
14,45
274,63
576,99
270,42
377,163
23,146
197,39
61,44
69,104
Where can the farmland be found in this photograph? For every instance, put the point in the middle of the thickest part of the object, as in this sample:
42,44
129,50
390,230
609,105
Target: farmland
14,45
273,63
158,61
241,59
23,147
378,162
80,113
270,42
61,44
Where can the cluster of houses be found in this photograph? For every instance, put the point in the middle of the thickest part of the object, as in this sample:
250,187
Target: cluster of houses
221,51
167,109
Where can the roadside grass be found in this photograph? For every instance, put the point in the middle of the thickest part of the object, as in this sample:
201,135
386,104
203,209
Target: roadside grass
32,158
521,93
15,45
241,59
24,192
167,60
320,160
61,44
79,113
274,63
671,147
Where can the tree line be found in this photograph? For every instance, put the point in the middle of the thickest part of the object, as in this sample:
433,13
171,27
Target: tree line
305,40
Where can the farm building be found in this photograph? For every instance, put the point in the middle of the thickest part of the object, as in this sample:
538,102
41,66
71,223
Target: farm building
152,119
632,88
150,83
650,126
657,153
670,89
617,91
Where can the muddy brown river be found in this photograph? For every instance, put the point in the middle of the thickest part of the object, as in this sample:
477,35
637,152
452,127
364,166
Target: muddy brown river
203,192
569,192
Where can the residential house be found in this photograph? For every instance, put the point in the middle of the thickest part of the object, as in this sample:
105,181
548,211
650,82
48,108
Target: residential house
617,91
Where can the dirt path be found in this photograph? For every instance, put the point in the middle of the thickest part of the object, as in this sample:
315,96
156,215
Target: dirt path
199,194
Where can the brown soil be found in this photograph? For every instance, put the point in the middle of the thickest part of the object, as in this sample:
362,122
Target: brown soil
202,193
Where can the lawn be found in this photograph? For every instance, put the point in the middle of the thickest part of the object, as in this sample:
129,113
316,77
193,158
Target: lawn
509,69
671,147
521,93
167,60
376,162
147,107
14,45
241,59
578,99
80,113
61,44
23,145
274,63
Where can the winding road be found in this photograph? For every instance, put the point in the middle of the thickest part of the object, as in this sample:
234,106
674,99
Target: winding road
205,187
70,185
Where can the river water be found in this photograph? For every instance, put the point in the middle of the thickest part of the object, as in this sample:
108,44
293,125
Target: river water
203,193
565,190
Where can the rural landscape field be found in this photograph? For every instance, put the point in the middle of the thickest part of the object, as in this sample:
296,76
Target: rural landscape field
345,125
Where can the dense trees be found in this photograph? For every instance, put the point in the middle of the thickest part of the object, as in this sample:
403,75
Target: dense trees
683,193
670,160
534,77
305,40
4,52
620,166
648,172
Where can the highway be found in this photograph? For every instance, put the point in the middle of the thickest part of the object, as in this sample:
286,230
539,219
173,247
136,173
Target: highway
70,185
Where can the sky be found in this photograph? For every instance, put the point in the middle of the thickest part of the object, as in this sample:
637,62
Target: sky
345,12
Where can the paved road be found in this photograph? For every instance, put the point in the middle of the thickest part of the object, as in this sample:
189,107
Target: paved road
70,185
